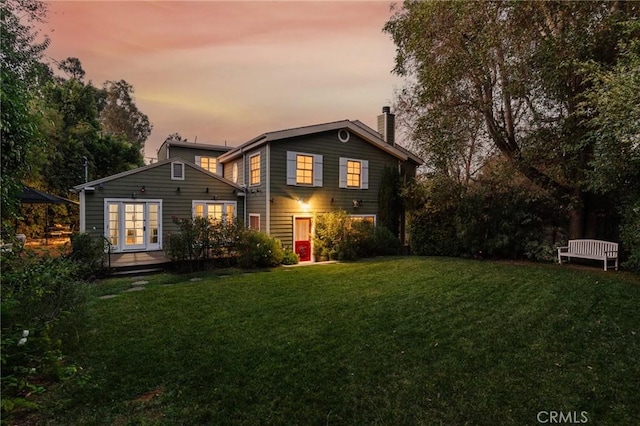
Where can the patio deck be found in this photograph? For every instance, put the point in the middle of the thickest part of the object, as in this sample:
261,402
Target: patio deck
146,258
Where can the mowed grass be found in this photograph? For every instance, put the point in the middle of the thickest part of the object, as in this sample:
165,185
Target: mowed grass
393,341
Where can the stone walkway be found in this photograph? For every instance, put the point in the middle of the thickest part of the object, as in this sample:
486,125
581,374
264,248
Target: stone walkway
139,286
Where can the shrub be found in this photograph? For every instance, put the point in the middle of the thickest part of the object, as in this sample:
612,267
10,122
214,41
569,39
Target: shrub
43,315
386,243
190,241
332,236
257,249
200,240
290,257
341,237
494,216
630,235
90,254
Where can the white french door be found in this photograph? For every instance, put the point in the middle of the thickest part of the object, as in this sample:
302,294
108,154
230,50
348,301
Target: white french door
133,225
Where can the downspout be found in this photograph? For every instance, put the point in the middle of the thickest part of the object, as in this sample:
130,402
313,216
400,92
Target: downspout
268,193
244,184
83,218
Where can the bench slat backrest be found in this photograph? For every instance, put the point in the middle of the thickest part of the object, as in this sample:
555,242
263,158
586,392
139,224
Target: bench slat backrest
597,247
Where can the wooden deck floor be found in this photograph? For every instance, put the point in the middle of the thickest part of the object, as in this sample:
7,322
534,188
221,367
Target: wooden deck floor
120,260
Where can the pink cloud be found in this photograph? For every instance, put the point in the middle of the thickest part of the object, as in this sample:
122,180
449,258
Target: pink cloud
232,70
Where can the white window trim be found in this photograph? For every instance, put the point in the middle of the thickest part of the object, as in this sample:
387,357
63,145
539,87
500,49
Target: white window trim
259,169
292,167
177,163
121,201
224,204
254,215
364,173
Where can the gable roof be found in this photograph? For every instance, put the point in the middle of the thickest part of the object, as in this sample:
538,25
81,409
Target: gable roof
356,127
79,188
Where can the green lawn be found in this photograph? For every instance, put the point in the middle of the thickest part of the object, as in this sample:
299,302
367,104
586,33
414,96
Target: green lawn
393,341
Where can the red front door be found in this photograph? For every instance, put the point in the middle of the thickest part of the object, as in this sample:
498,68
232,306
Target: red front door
302,236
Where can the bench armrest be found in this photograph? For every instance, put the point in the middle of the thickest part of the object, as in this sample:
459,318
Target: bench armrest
563,249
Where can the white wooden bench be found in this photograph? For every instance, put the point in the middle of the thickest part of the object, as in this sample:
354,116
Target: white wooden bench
590,249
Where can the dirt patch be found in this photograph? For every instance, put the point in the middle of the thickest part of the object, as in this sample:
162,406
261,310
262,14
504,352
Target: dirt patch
146,397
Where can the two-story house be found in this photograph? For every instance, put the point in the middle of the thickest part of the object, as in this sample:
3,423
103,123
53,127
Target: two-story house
276,183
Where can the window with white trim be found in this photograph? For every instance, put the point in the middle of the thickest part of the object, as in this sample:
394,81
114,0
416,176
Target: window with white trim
208,163
354,173
254,221
304,169
254,169
177,171
215,210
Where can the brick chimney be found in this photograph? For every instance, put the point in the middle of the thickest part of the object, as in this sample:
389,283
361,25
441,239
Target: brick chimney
387,125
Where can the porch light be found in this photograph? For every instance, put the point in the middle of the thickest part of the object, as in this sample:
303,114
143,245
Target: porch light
303,205
356,203
143,188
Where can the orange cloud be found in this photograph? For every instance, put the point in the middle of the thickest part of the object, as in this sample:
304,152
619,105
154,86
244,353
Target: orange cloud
232,70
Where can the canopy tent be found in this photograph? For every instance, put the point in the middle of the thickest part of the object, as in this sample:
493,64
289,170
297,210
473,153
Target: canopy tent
33,196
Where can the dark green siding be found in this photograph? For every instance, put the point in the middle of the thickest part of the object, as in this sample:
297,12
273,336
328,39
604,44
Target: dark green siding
329,197
190,154
159,186
257,194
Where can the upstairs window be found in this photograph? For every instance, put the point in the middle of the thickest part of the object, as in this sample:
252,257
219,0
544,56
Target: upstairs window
177,171
304,169
210,164
254,169
354,174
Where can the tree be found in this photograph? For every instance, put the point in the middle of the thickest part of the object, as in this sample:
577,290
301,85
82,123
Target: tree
73,128
119,115
175,137
513,71
611,113
391,206
72,67
19,61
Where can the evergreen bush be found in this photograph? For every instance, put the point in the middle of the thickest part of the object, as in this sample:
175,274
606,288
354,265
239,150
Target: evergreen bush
257,249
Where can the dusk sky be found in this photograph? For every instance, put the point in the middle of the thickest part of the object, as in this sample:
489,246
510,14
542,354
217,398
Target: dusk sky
232,70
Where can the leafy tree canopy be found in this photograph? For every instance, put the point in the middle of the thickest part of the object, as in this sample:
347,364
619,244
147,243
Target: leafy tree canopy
19,58
508,76
120,116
